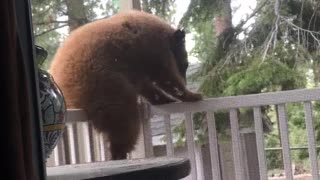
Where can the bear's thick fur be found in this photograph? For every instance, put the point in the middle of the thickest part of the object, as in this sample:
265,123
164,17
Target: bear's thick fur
103,66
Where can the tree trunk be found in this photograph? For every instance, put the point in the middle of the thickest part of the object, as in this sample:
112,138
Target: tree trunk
223,29
77,14
136,4
126,5
223,21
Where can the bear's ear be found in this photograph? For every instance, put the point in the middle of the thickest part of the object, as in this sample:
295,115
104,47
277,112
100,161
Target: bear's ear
179,35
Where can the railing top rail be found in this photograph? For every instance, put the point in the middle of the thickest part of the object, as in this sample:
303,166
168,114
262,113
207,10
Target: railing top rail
231,102
76,115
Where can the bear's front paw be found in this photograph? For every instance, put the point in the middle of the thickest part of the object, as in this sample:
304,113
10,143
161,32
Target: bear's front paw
192,97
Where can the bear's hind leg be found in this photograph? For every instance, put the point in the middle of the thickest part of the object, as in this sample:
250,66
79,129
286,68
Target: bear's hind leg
121,124
123,138
113,110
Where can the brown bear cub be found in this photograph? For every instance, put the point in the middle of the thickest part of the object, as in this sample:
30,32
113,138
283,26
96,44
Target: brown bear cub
103,66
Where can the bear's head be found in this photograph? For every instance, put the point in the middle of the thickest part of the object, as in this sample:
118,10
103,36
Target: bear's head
169,71
180,53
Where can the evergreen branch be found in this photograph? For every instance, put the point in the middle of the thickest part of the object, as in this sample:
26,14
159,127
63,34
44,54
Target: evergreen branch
239,27
277,13
313,18
55,28
187,14
314,34
298,27
272,35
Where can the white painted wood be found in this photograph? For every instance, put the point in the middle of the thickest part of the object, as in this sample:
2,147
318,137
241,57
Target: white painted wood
64,146
311,140
260,143
96,145
146,128
213,145
199,163
191,144
52,160
223,103
102,147
284,134
83,142
244,156
235,102
169,144
73,143
76,115
139,150
56,156
62,150
236,146
148,139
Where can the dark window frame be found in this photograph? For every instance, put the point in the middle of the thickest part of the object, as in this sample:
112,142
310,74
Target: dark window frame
25,34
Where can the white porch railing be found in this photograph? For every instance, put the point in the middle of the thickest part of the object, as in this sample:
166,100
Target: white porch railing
280,99
92,148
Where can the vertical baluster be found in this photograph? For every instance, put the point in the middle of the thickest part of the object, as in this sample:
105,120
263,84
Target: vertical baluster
106,146
73,143
92,142
139,150
66,145
51,161
98,152
61,151
236,144
102,147
95,144
311,140
169,145
260,143
285,141
83,142
76,143
56,156
146,128
191,144
213,145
